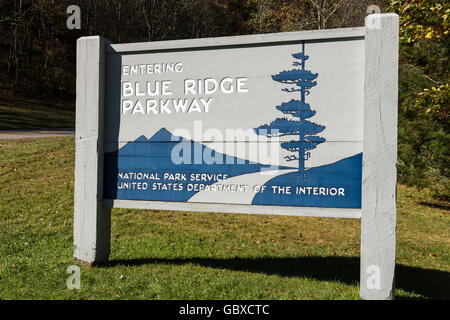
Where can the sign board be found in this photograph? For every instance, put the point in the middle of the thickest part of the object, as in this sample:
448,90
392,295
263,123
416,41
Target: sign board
300,123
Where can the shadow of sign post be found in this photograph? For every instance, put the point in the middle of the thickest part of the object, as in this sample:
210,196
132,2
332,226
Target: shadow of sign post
179,125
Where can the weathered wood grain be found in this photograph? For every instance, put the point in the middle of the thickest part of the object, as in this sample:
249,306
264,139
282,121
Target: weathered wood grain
267,38
379,157
91,220
236,208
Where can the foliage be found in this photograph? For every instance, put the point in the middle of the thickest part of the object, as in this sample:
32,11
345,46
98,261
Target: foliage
423,141
424,44
423,155
37,51
435,101
422,19
424,94
294,15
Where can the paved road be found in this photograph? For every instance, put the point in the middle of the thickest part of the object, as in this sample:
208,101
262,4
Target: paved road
22,134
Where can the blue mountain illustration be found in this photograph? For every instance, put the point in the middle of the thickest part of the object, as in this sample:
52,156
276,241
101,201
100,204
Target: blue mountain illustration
125,168
136,172
336,185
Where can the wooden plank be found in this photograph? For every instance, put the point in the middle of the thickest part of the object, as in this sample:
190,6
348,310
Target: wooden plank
233,208
379,157
91,220
211,43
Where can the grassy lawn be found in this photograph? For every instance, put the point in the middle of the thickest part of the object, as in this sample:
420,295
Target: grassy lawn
181,255
18,113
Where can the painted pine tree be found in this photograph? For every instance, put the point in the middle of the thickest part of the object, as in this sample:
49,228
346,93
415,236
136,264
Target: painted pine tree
306,130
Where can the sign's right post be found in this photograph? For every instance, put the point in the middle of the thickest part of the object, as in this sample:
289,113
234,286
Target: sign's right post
379,157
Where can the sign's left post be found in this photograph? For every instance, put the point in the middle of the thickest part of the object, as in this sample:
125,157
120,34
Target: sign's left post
92,222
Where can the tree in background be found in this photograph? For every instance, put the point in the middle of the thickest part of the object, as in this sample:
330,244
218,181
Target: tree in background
294,15
424,28
36,43
37,51
304,129
424,138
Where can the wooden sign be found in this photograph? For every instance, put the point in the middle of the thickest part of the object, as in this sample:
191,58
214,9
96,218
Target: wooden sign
301,123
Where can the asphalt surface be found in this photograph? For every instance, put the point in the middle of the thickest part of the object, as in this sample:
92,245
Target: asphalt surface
43,133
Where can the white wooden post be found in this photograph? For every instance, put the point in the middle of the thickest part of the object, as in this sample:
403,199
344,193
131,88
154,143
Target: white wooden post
379,157
92,222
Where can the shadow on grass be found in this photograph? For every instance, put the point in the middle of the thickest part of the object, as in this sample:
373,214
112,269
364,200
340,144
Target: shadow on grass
431,284
444,205
17,113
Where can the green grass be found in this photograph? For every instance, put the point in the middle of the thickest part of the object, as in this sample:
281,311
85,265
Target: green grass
17,113
181,255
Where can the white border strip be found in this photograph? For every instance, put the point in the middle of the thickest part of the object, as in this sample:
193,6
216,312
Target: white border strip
212,43
235,208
